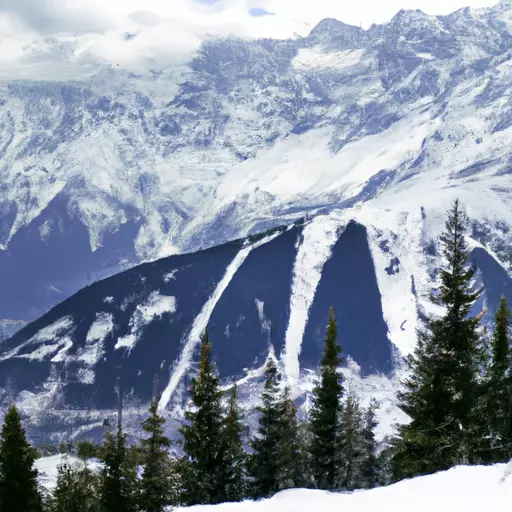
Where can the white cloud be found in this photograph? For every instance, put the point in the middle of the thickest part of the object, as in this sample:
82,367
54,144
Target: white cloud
168,31
362,12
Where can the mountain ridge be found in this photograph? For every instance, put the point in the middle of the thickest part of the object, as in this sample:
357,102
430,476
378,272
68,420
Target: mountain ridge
142,165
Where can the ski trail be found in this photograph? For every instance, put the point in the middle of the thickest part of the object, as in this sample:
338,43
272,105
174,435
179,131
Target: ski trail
319,237
201,321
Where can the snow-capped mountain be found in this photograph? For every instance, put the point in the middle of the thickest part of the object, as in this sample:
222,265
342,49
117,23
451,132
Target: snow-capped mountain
264,296
104,168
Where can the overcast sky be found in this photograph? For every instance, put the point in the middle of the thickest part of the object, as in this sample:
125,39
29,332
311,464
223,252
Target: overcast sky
168,28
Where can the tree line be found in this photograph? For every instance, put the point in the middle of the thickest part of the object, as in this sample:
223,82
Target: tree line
216,460
457,394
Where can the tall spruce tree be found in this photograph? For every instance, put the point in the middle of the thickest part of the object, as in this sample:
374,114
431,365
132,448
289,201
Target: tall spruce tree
352,445
441,393
118,479
18,477
497,394
325,413
370,464
263,464
289,458
75,490
155,485
204,442
234,455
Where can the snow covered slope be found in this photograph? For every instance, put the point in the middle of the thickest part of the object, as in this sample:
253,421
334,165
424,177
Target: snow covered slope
472,489
264,296
106,168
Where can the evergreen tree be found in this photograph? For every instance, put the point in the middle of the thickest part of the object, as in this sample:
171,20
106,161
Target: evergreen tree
118,477
325,413
290,463
352,445
204,442
18,477
442,390
369,464
234,455
497,393
75,490
305,440
156,483
263,464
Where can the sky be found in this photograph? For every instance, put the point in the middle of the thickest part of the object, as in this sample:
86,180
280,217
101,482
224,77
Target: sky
167,31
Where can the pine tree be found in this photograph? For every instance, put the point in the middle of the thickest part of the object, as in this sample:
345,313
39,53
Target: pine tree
497,393
289,458
325,413
75,490
263,465
18,477
234,455
118,477
352,445
203,436
155,485
442,390
369,464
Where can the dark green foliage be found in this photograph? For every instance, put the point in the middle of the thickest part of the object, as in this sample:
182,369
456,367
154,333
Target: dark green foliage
278,460
497,390
290,463
442,391
118,480
87,450
263,465
18,477
352,445
156,489
234,455
304,440
325,414
385,463
203,436
369,464
75,490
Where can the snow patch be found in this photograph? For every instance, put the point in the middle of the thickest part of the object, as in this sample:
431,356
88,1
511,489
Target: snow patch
425,56
170,275
395,283
47,468
86,375
50,333
319,237
266,324
94,348
317,58
154,307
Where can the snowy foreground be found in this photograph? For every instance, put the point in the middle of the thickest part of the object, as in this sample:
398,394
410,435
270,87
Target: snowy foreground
467,488
464,488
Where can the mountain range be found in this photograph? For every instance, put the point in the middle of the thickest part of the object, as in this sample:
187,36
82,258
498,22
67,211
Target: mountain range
344,148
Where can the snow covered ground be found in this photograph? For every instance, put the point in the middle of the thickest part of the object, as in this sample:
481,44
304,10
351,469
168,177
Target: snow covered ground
473,488
48,468
465,488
